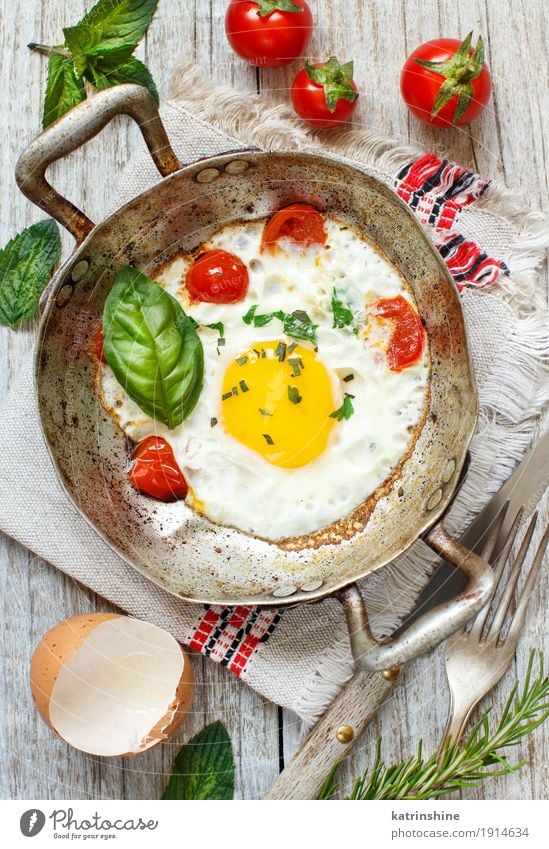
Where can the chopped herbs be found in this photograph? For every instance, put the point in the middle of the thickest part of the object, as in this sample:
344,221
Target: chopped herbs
293,395
296,324
295,364
221,342
218,325
280,352
235,390
291,347
343,315
244,386
226,395
343,228
242,360
268,439
213,421
348,378
264,412
345,411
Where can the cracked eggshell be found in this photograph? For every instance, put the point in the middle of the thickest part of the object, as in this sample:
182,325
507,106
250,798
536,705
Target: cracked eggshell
111,685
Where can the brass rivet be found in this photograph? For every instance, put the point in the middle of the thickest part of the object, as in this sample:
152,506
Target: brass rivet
283,592
435,499
449,470
345,734
391,674
64,295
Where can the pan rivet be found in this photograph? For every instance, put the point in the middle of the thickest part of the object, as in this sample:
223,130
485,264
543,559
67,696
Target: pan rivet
311,586
391,674
237,166
434,499
449,470
80,270
207,175
65,294
282,592
345,734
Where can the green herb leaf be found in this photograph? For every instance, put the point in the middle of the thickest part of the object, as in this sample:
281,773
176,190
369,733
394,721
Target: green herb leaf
294,396
268,439
26,265
266,7
64,89
204,768
108,34
345,411
336,79
459,765
132,71
343,315
296,324
152,347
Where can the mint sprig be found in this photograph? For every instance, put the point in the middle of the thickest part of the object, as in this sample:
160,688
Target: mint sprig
204,768
336,80
26,265
97,50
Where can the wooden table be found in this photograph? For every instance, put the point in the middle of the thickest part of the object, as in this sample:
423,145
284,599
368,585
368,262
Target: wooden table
510,143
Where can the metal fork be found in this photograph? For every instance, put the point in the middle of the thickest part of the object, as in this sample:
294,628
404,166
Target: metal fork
478,656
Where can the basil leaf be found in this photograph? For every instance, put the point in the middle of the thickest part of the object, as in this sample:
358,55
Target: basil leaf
132,71
109,33
26,265
63,90
204,768
152,347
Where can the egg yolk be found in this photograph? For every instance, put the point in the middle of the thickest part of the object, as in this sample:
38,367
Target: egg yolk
277,399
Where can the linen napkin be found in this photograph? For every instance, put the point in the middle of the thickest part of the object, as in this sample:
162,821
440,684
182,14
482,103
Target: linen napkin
300,657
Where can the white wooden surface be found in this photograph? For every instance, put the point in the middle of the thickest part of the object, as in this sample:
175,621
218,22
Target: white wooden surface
510,142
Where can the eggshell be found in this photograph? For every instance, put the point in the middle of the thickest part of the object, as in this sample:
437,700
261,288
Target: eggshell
58,646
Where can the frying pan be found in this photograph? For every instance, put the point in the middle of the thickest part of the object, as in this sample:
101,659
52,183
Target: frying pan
170,544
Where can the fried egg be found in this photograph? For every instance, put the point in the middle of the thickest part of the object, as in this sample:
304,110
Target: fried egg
289,436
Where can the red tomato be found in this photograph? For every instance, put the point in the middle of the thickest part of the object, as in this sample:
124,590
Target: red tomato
267,35
408,335
299,222
445,82
155,472
98,345
217,277
325,94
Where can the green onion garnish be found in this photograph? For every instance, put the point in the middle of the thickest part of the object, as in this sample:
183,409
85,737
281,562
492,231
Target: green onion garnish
243,385
268,439
293,395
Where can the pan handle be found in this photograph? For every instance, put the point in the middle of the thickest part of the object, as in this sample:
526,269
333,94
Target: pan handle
434,626
79,126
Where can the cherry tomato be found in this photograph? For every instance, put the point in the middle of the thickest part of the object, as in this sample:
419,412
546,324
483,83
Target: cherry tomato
155,472
445,82
268,34
98,345
299,222
325,95
408,334
217,277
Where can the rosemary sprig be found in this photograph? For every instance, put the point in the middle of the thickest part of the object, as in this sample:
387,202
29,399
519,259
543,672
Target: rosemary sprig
459,765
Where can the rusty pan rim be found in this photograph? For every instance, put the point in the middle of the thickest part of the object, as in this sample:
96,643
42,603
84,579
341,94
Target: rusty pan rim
422,527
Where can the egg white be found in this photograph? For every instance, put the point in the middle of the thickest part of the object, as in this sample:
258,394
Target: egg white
232,484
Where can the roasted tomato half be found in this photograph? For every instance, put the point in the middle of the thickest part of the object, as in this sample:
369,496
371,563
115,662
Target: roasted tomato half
407,338
155,472
298,222
217,277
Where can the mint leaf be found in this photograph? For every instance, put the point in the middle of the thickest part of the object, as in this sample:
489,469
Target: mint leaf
132,71
106,37
268,6
204,768
63,90
26,265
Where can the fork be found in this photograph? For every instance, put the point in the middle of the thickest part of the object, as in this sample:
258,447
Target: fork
478,656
